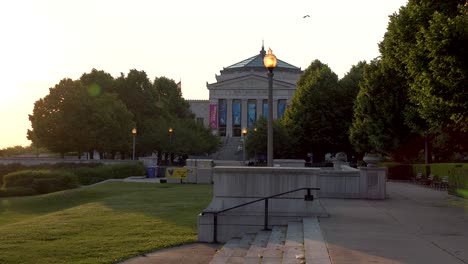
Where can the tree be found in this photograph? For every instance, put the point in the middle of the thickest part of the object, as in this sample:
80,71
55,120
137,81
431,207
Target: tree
170,98
111,123
313,116
379,120
70,118
425,43
347,93
98,82
256,140
57,122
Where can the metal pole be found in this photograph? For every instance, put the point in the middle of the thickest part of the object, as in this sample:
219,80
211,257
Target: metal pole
270,119
243,149
265,222
215,228
133,157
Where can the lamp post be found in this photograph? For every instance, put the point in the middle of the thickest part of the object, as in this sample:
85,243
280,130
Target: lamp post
134,132
244,132
270,63
170,130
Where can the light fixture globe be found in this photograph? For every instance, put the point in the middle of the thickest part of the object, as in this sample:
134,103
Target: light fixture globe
269,60
170,130
244,131
134,131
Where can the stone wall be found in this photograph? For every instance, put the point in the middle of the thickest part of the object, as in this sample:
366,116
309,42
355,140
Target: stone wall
237,185
37,161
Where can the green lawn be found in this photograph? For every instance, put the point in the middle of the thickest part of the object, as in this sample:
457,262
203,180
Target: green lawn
100,224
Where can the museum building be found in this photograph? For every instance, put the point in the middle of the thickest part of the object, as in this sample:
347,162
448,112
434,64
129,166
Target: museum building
239,95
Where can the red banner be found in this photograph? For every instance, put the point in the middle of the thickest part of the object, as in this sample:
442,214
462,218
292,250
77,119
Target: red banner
214,116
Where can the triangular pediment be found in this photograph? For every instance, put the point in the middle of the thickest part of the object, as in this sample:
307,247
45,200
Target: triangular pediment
251,81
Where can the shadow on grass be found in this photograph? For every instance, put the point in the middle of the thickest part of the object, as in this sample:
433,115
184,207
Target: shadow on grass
178,203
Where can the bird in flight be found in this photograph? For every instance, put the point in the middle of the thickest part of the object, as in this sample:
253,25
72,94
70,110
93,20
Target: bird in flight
306,16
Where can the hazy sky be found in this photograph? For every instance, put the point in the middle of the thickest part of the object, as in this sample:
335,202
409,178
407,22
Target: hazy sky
45,41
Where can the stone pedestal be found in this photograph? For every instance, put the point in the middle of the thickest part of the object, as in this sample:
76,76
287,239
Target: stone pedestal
373,182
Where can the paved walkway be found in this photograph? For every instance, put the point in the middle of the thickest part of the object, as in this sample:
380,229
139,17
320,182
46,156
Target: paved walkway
415,225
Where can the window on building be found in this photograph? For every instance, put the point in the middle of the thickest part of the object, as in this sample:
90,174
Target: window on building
200,120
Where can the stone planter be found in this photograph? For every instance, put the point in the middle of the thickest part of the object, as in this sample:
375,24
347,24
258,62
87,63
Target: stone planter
372,159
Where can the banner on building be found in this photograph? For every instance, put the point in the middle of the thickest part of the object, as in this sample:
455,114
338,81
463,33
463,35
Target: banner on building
236,112
222,112
213,116
251,112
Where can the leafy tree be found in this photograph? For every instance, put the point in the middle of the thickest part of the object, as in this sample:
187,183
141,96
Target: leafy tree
379,114
256,140
425,43
111,123
98,82
347,92
69,118
170,98
53,119
313,116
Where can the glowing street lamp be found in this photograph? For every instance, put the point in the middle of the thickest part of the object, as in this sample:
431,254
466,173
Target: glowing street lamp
134,132
170,135
270,63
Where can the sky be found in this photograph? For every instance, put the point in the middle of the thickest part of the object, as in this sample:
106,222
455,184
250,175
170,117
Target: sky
42,42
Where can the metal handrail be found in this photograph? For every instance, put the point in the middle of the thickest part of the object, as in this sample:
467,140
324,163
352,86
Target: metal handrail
307,197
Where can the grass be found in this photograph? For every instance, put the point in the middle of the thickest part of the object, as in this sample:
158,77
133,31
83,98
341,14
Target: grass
100,224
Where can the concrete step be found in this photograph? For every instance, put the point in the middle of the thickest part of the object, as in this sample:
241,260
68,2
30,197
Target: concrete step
255,252
273,252
297,243
226,252
294,244
314,245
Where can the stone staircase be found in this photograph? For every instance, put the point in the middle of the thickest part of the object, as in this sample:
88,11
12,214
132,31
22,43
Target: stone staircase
229,150
298,242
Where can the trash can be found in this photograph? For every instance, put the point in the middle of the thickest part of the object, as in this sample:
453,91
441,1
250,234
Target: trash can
151,172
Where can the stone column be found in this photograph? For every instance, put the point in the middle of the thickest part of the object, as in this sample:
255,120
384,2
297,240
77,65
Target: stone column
229,117
244,117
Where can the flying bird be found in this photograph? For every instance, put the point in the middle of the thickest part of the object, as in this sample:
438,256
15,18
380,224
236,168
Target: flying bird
306,16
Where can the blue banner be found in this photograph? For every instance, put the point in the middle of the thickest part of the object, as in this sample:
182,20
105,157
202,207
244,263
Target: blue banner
265,109
251,112
222,112
236,112
281,108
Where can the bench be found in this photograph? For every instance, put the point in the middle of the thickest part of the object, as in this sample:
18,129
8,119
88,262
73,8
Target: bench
418,178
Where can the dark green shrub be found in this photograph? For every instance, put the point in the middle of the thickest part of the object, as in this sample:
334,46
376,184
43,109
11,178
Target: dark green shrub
400,172
88,176
8,168
39,181
458,181
421,168
17,191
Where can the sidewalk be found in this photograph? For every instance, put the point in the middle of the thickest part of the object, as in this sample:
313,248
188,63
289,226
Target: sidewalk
414,225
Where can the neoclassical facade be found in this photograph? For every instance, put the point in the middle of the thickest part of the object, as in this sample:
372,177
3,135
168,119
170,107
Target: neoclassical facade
240,95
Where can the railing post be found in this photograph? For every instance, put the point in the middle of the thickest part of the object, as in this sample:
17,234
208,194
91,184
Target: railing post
265,225
215,228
